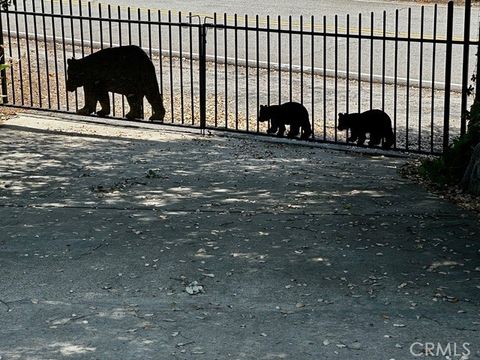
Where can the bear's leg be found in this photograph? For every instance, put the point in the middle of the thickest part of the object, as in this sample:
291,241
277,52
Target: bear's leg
306,132
273,127
158,110
375,139
90,101
353,136
281,130
294,130
389,139
104,100
135,103
361,139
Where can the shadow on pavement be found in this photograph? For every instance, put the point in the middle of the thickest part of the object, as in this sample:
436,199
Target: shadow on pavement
300,252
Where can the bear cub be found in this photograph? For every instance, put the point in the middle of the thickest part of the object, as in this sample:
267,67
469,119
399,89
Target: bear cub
125,70
375,122
290,113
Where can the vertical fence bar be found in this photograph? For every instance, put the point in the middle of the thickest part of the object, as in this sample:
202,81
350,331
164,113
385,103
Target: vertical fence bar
384,57
324,78
372,25
28,53
100,24
35,34
347,67
129,25
20,67
257,55
55,55
336,78
10,52
149,18
80,7
359,63
235,37
160,50
246,73
139,18
395,76
180,60
73,44
420,77
192,92
62,25
3,73
312,73
90,26
301,59
170,44
407,102
290,61
434,53
110,35
215,64
448,76
225,56
44,23
120,43
202,35
268,60
279,65
466,49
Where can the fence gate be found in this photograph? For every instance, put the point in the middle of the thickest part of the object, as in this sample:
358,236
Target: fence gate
215,72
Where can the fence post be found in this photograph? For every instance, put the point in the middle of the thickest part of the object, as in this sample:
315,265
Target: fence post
465,77
3,73
202,75
448,76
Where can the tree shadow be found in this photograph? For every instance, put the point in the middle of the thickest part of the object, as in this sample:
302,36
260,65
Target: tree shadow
114,223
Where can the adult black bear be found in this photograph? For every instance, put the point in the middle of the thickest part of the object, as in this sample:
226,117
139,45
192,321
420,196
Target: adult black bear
290,113
375,122
124,70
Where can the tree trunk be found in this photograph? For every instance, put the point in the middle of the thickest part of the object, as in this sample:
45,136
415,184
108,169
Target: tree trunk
471,178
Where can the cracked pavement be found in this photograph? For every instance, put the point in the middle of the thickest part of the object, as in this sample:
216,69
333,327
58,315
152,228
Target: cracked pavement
289,251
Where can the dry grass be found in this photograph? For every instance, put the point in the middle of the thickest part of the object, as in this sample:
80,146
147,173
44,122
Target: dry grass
5,114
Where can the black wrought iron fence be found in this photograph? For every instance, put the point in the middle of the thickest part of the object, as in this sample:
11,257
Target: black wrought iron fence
215,72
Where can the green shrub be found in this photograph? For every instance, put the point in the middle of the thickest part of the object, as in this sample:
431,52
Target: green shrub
449,168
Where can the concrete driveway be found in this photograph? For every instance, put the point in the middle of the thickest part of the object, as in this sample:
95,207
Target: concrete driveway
131,243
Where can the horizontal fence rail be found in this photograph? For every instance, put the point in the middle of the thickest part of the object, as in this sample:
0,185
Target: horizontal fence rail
215,72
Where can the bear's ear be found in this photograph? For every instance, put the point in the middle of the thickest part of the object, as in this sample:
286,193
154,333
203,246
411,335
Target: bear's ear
70,61
340,115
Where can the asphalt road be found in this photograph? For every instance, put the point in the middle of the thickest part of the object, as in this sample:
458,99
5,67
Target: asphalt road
307,8
296,252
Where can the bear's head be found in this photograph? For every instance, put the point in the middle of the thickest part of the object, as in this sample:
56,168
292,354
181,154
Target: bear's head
264,114
343,122
75,75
